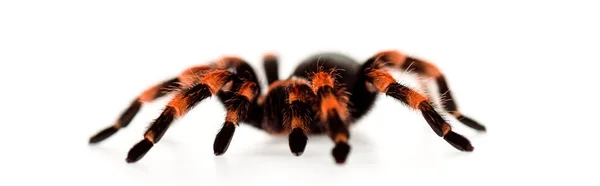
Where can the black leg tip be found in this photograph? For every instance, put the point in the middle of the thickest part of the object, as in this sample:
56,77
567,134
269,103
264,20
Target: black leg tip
138,151
102,135
458,141
340,152
471,123
130,160
223,138
297,141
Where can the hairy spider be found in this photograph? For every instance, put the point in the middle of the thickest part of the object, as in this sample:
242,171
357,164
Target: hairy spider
325,95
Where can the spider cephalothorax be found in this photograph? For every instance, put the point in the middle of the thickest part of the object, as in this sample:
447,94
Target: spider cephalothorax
325,95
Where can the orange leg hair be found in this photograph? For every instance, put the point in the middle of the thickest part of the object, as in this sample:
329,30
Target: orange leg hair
385,83
396,59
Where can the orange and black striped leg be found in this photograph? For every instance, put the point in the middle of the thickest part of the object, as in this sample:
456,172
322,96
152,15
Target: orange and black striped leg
297,117
396,59
338,132
333,111
127,116
385,83
238,102
209,84
271,66
452,108
448,102
237,106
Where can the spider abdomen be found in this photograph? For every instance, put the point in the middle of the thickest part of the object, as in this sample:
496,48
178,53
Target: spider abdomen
346,67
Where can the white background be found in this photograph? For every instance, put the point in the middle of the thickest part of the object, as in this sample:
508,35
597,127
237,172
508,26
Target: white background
524,69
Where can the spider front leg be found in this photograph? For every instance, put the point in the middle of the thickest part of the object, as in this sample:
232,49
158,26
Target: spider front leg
186,78
385,83
149,95
188,97
297,117
333,111
237,110
238,102
203,82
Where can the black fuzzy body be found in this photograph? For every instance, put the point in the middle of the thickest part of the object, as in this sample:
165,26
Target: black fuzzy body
270,116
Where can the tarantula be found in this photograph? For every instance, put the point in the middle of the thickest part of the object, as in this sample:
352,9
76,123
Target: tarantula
326,94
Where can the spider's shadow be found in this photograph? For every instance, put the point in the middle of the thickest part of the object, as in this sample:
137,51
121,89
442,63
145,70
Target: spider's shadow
273,156
318,148
113,153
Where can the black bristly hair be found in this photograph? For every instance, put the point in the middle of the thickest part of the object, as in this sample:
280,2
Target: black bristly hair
325,95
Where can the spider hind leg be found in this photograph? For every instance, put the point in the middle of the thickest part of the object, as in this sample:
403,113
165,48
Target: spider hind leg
271,67
386,84
396,59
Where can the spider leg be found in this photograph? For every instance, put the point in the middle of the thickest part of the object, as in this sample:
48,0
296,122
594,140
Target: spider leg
149,95
207,81
183,102
271,66
297,117
427,69
385,83
333,111
237,110
239,103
